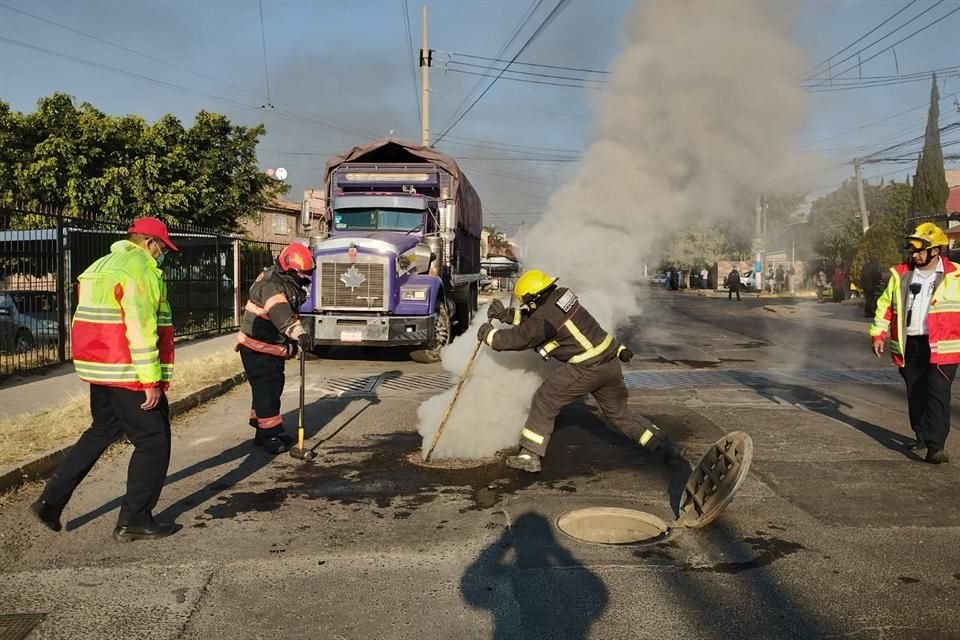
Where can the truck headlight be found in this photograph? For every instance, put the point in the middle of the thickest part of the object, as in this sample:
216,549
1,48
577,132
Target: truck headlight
414,293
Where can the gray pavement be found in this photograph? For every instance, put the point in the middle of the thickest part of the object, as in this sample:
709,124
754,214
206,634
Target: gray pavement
32,393
835,533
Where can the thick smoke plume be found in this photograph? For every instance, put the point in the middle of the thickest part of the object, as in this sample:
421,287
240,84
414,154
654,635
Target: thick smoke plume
702,106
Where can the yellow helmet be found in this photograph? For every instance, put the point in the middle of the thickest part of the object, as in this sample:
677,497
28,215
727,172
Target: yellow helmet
531,284
927,235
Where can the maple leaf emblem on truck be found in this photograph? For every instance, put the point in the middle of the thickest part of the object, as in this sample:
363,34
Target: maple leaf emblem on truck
352,278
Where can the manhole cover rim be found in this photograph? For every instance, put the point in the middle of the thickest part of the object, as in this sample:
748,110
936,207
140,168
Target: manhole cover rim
686,507
643,516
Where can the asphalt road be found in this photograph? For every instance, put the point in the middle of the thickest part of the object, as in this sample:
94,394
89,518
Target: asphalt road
835,533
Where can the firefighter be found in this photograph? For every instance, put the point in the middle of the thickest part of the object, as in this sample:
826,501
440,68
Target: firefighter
920,310
552,321
270,334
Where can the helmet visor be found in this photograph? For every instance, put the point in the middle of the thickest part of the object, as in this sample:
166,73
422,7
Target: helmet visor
914,243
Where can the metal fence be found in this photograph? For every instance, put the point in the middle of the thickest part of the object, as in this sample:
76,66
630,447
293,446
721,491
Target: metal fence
42,251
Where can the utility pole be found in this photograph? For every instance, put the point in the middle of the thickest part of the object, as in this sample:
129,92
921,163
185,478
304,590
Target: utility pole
863,203
426,58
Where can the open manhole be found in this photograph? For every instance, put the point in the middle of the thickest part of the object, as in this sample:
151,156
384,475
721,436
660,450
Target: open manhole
448,463
612,525
716,479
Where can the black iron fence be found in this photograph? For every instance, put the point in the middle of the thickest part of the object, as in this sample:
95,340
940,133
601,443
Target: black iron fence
42,251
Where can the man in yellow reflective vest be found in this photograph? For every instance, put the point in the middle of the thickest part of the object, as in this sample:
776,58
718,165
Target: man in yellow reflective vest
920,311
122,342
553,322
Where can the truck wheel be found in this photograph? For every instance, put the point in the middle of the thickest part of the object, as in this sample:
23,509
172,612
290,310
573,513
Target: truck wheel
465,310
430,352
24,342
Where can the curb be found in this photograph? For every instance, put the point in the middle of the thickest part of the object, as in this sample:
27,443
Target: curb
47,463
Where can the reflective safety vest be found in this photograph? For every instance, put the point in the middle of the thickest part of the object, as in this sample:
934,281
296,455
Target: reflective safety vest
122,332
271,318
943,317
558,328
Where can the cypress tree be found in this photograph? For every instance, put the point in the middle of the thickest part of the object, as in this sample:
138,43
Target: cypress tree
930,190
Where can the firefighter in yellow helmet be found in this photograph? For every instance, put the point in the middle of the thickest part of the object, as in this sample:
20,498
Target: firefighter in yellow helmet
920,312
552,321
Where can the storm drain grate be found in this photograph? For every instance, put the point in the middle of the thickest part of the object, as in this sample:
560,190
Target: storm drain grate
16,626
430,382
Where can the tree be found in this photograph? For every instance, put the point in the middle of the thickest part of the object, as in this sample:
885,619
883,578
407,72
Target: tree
879,243
695,246
835,221
79,159
930,190
497,243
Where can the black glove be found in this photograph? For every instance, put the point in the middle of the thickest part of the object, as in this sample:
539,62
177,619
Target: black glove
484,331
306,342
625,354
496,310
292,350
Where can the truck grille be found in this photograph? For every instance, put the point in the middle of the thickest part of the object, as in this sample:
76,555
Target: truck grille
356,286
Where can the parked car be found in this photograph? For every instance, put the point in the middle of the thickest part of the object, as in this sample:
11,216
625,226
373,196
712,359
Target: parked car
748,281
27,319
659,279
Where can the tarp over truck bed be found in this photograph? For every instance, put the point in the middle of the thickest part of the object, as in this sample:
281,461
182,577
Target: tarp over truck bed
390,150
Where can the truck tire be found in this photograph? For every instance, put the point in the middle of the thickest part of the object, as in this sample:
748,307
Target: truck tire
430,352
466,300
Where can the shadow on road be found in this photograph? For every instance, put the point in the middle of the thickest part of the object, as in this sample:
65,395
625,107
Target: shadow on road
248,458
532,586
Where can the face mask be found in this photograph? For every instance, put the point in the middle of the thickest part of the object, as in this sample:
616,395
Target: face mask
160,258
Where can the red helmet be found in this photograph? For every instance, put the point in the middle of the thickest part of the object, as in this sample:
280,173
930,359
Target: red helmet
296,257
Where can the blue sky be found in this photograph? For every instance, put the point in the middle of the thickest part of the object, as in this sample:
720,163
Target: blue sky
340,70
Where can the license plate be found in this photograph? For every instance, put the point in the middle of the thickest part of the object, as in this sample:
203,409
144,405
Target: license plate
351,336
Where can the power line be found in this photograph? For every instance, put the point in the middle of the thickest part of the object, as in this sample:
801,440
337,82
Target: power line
904,39
313,117
517,30
812,69
527,64
413,62
500,76
263,40
527,73
560,6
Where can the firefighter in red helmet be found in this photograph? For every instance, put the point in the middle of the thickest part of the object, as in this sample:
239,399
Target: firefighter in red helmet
270,334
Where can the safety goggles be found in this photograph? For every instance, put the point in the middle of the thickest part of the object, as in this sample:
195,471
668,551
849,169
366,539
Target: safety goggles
916,245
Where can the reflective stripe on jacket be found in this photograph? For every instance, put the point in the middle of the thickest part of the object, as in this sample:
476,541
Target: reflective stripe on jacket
558,328
271,316
122,332
943,317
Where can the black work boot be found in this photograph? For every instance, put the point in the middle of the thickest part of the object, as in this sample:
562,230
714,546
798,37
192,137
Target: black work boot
525,461
936,455
273,441
47,514
151,531
666,448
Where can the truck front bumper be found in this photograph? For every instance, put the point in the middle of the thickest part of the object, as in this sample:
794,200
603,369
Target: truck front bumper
382,331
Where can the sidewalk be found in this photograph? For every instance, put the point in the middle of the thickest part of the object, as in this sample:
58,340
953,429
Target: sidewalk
34,393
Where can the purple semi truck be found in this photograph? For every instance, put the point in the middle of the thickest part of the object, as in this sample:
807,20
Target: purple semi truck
401,263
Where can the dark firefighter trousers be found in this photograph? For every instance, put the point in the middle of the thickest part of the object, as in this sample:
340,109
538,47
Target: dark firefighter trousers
565,385
265,375
928,392
117,412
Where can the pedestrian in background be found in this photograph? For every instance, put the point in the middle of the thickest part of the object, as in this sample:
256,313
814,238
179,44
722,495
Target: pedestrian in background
780,278
870,284
704,278
733,284
122,341
923,299
839,281
820,283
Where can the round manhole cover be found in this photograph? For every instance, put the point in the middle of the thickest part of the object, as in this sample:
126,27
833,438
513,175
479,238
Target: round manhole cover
716,479
612,525
448,463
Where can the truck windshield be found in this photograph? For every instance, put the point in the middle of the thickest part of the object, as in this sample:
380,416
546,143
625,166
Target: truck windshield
377,219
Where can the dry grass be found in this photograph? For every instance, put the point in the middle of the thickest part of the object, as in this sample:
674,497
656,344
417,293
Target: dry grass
27,437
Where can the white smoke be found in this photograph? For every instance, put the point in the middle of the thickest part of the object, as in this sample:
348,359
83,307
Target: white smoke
702,106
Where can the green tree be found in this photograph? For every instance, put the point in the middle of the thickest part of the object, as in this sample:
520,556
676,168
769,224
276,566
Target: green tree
880,243
890,205
497,244
79,159
835,220
930,190
695,246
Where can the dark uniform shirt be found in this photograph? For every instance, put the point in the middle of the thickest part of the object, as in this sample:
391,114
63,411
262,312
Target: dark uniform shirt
270,317
558,328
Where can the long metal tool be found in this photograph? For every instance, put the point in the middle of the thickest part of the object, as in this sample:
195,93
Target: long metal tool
453,401
299,452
